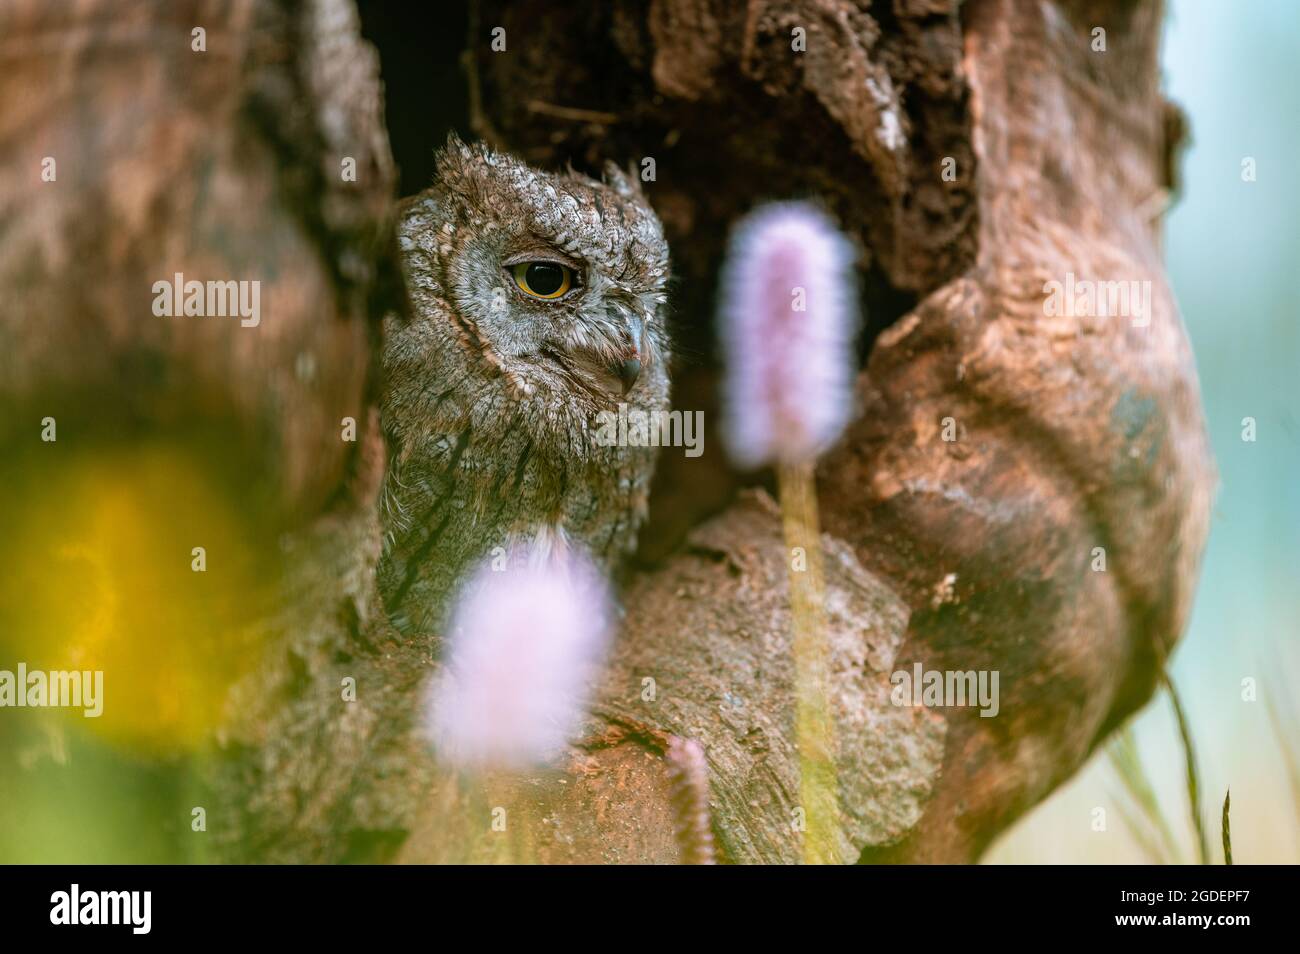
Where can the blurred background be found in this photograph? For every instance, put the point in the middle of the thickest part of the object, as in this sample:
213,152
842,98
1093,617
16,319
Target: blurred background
1233,251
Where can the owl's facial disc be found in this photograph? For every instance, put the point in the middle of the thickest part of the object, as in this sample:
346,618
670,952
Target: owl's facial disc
606,349
587,326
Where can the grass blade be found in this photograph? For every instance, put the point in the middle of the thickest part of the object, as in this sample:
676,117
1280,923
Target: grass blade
1227,830
1193,779
1145,820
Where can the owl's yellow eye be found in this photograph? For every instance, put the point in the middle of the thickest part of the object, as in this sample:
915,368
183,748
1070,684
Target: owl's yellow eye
546,280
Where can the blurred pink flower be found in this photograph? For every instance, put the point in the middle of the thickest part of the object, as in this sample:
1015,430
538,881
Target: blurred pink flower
788,321
524,642
688,796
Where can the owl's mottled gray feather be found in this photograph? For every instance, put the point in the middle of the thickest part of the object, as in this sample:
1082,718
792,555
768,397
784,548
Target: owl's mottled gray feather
491,398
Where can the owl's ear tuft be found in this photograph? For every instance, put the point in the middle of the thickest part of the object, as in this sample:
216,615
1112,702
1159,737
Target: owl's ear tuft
457,145
624,183
458,164
454,158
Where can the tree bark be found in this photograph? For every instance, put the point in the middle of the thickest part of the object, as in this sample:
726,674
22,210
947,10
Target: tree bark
1074,433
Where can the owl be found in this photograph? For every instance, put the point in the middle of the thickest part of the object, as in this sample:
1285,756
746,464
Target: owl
537,308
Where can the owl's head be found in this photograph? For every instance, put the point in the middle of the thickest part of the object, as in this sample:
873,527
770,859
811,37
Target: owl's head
561,276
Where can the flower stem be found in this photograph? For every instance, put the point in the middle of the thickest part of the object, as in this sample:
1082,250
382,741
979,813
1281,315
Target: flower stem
818,788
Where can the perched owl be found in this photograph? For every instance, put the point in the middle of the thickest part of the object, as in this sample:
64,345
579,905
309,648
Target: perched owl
537,303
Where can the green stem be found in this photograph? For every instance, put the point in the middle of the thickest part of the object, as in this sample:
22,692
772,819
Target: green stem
814,730
1227,830
1193,778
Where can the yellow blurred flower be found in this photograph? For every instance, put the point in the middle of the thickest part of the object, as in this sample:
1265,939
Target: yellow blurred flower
102,573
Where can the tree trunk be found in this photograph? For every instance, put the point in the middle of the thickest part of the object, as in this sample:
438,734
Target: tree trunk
975,553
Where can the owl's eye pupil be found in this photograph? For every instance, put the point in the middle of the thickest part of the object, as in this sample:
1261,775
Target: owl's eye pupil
543,278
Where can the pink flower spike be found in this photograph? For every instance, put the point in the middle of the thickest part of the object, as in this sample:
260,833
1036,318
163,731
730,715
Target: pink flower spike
788,317
525,641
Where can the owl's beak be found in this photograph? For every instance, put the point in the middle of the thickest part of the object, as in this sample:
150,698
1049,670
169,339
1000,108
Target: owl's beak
628,371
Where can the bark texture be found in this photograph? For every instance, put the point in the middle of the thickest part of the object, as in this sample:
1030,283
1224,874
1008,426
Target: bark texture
217,164
1074,433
